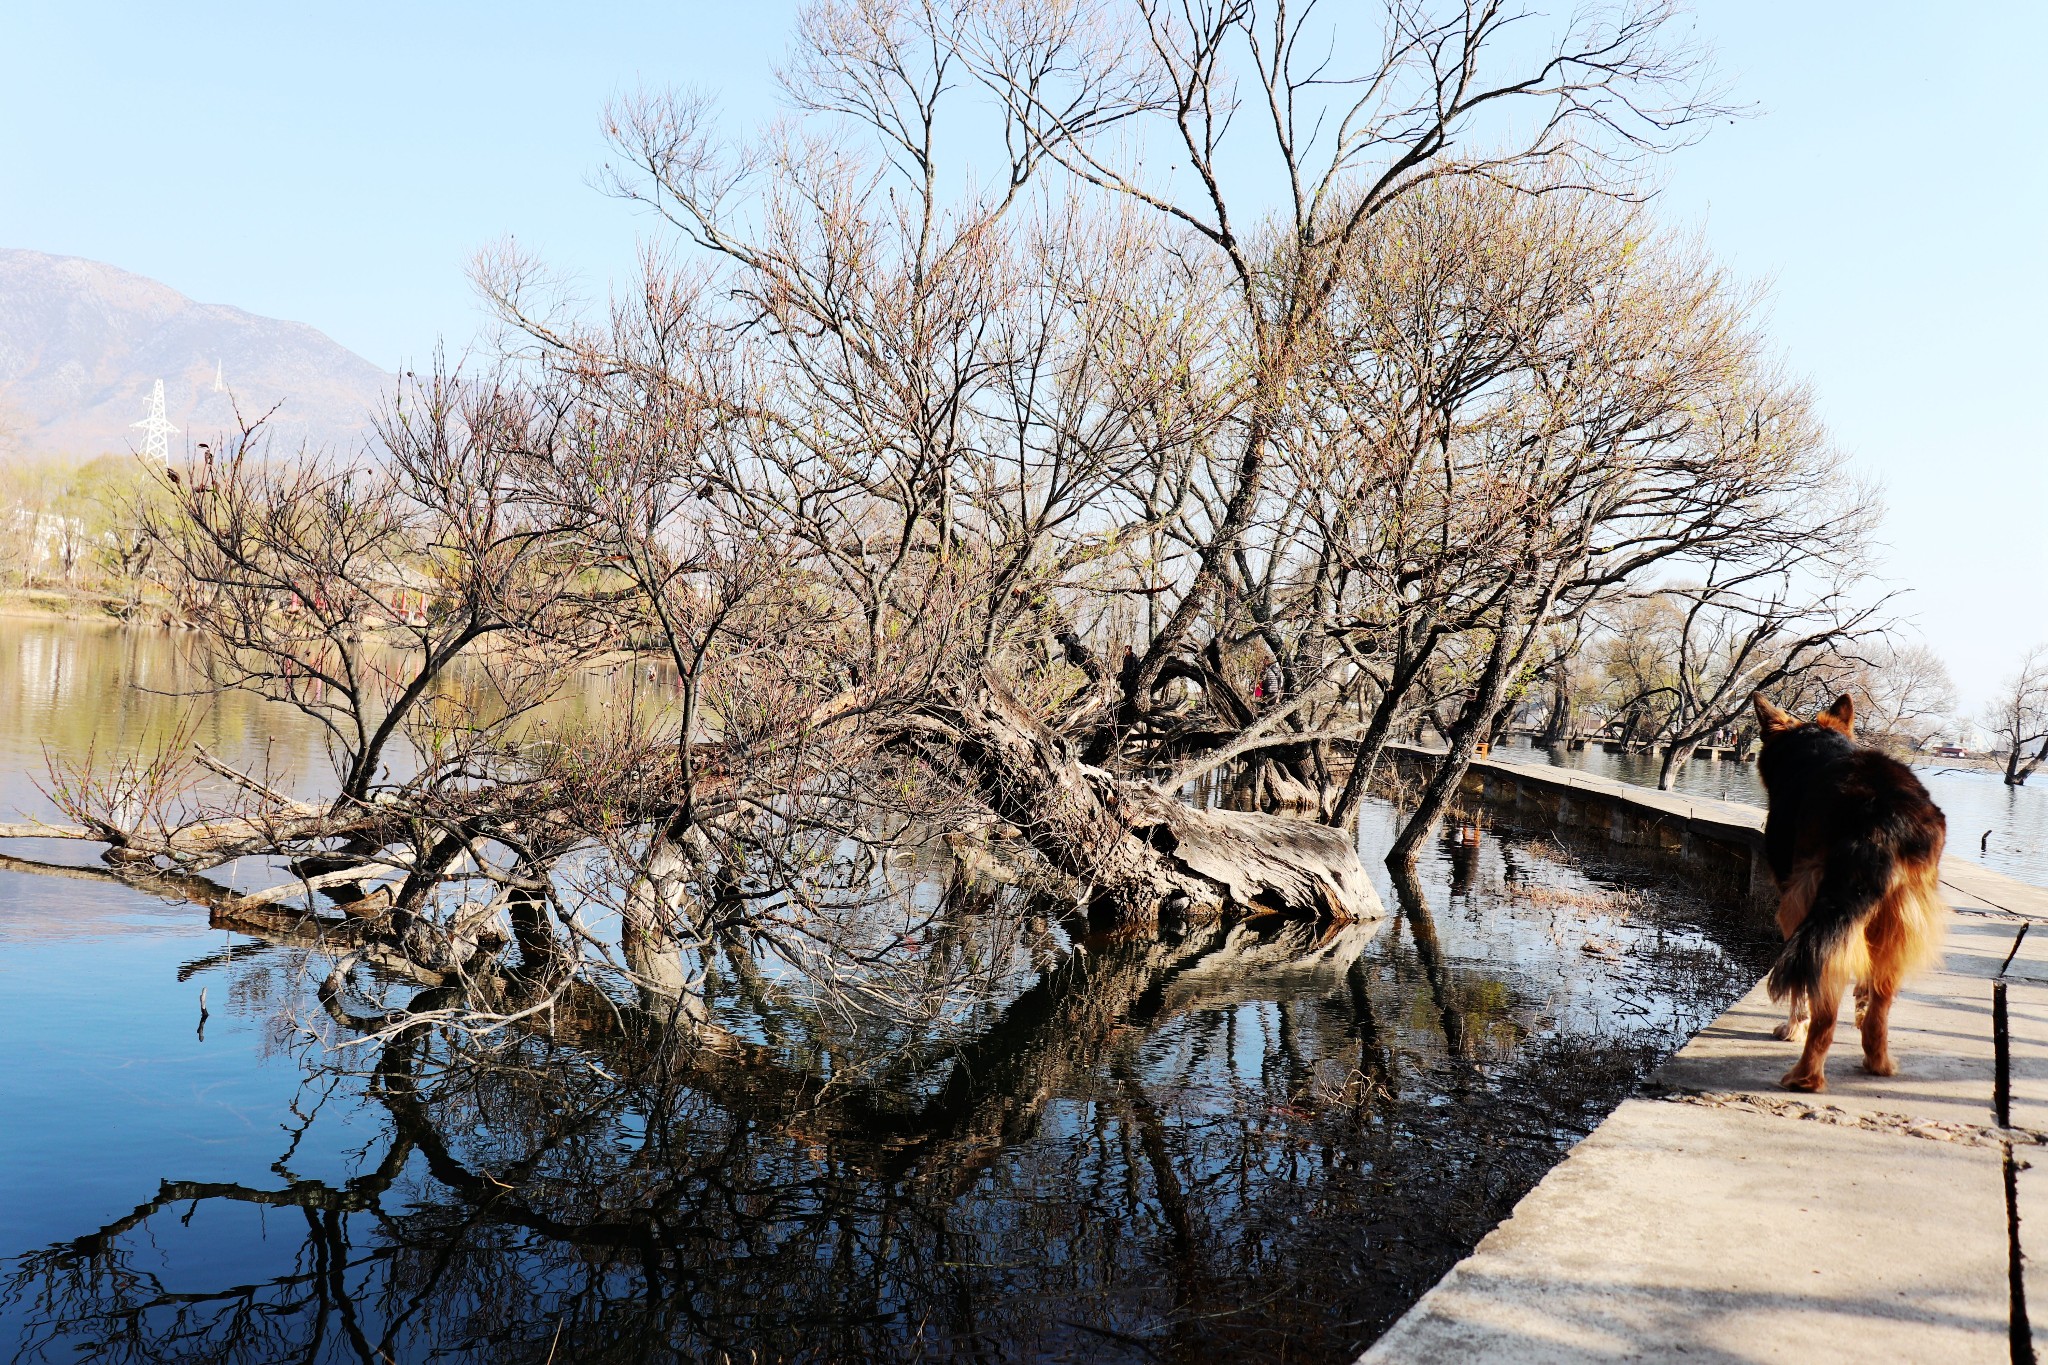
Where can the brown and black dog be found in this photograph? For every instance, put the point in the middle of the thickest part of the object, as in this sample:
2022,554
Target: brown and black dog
1854,842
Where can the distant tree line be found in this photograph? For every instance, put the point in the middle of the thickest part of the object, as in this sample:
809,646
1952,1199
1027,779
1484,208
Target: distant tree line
1655,675
75,527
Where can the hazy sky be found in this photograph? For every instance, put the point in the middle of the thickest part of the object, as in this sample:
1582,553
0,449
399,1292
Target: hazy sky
337,164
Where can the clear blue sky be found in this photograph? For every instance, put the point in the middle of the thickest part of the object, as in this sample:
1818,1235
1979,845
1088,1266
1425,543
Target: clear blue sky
337,164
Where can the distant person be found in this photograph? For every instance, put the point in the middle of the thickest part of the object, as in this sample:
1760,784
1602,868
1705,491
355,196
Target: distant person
1127,672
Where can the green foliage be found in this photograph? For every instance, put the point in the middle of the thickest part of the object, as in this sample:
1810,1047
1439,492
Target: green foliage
71,526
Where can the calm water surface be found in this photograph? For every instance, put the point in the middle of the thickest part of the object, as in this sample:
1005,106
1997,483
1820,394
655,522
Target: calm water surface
1978,804
1211,1144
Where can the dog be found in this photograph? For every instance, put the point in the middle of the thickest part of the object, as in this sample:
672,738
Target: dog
1854,843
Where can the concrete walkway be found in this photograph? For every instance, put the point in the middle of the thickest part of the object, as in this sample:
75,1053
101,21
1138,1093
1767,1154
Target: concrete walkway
1717,1217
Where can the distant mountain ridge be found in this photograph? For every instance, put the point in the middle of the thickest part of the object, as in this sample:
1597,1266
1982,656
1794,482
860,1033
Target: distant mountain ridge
82,345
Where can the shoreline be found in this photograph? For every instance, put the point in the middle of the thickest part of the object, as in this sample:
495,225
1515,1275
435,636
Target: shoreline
1715,1214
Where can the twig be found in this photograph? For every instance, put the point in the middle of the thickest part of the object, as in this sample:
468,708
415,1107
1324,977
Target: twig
245,781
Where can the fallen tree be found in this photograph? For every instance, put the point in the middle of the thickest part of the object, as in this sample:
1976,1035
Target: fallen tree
672,632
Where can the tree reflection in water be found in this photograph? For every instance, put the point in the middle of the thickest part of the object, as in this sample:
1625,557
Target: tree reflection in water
1227,1142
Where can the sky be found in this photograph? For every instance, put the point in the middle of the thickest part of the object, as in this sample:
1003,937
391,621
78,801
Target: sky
339,165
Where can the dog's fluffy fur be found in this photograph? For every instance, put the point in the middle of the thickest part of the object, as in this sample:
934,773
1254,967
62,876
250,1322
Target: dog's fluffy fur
1854,843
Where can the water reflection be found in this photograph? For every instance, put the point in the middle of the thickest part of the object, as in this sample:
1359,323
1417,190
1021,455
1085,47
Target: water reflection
1221,1141
73,688
1226,1142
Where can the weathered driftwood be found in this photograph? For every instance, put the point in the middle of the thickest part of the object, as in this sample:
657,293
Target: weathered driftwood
1272,863
1136,847
404,945
205,843
37,829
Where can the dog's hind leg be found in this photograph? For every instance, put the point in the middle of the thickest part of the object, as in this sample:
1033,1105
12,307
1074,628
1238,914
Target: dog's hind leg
1862,1001
1811,1073
1873,1020
1796,897
1793,1030
1892,941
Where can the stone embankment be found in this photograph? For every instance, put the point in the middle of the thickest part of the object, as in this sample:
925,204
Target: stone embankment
1717,1217
1720,842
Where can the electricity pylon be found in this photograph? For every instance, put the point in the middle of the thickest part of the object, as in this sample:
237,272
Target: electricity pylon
156,428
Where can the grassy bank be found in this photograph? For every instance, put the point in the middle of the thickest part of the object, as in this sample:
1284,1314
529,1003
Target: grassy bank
72,605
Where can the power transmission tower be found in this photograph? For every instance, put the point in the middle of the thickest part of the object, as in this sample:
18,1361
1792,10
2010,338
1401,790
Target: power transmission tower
156,428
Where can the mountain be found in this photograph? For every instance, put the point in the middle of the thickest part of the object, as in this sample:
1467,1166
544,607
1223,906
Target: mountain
82,345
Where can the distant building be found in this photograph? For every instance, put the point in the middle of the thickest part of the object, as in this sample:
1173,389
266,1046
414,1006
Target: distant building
50,538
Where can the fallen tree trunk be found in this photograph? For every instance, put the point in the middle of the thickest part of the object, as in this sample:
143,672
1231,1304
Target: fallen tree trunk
1137,849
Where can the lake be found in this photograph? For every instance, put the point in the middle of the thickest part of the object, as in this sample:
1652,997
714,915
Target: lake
1213,1142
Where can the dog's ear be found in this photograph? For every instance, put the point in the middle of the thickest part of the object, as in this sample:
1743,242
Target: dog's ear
1841,716
1769,717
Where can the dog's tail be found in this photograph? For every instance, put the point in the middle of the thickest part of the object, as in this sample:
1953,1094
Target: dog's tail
1857,874
1894,868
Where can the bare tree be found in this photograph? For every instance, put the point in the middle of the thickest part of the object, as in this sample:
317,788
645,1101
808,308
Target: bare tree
2018,717
1635,657
1906,697
1241,95
1793,615
1616,440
